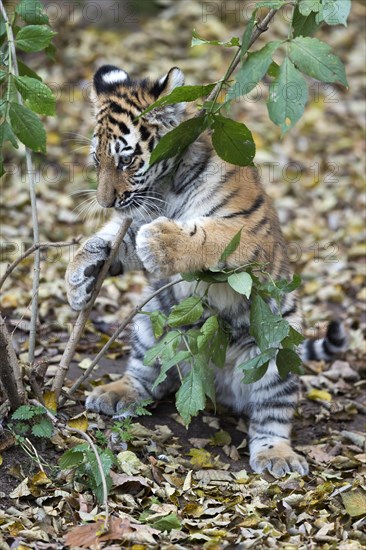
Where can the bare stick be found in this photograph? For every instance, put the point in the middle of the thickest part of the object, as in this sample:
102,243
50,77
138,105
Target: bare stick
10,375
59,425
31,250
84,315
260,28
13,69
114,337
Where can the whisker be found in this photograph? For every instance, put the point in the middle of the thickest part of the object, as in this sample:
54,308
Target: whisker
83,192
75,136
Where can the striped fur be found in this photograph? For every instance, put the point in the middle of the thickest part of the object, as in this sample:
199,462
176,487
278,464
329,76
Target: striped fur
184,214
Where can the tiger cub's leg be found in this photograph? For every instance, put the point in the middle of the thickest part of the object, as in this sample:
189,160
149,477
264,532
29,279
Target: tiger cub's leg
135,386
272,405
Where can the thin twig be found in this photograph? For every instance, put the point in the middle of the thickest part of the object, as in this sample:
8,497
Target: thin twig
84,315
114,337
13,66
260,28
31,250
60,426
35,454
10,374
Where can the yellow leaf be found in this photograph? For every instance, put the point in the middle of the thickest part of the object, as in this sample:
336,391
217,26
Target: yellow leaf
14,528
201,458
221,438
40,479
1,460
53,138
79,422
319,395
50,400
354,502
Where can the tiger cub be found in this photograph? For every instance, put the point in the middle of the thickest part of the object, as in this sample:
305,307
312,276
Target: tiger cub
185,211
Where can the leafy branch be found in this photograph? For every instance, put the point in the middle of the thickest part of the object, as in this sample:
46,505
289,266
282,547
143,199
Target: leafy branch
302,56
202,347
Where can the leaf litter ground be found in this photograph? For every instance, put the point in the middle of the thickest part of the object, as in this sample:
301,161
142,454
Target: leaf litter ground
194,489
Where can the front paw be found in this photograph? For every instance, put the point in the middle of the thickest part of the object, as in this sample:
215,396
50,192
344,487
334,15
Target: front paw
83,271
279,461
158,245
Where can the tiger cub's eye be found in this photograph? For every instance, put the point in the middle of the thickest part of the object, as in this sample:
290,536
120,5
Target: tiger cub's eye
126,159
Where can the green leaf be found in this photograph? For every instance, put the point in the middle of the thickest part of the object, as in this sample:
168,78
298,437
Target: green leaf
267,329
3,75
176,141
293,339
219,347
273,70
51,51
166,365
167,523
253,375
212,276
158,321
37,95
107,460
231,247
287,360
27,127
233,141
241,283
43,428
289,286
34,38
201,365
258,360
247,35
304,25
7,134
336,12
191,396
256,368
288,95
179,95
253,70
165,349
186,312
26,412
308,6
32,11
2,27
2,171
189,277
207,332
313,57
277,289
70,459
198,41
24,70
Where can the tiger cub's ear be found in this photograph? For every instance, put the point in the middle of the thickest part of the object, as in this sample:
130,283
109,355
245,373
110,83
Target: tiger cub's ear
167,83
108,77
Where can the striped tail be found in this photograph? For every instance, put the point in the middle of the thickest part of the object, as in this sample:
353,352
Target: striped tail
324,349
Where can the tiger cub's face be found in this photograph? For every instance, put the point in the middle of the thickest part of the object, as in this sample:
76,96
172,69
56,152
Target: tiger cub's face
122,144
